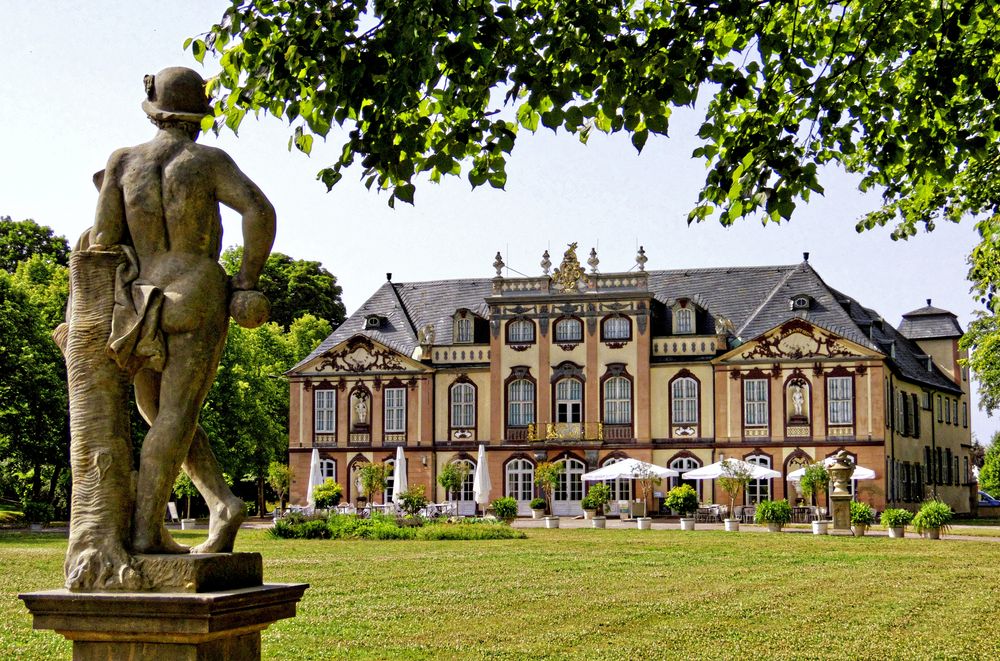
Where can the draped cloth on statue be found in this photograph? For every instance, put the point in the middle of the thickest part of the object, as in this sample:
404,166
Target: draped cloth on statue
136,340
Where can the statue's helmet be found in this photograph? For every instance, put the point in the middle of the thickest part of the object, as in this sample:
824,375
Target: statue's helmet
176,93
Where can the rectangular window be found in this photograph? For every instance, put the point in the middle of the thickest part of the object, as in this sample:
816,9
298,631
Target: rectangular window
684,319
939,418
325,411
954,412
928,465
888,402
914,416
925,403
965,414
901,412
465,328
840,400
954,473
947,411
965,471
395,410
463,405
938,467
684,401
755,402
520,403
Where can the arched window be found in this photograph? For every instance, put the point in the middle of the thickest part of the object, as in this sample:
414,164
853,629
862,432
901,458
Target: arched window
681,464
618,401
758,490
569,330
616,328
520,403
463,405
325,411
683,321
328,469
519,477
520,331
569,401
684,401
569,489
390,479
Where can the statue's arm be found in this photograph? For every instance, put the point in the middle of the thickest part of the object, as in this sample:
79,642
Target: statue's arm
110,223
236,191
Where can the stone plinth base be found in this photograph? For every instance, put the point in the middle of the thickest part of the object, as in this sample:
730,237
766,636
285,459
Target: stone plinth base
199,572
223,625
840,507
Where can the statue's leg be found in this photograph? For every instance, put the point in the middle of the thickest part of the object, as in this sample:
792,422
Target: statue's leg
225,510
183,385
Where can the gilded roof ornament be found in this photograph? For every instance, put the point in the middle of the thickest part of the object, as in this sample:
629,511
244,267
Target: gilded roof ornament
568,275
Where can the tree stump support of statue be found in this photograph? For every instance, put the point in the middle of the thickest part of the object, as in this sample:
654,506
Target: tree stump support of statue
130,591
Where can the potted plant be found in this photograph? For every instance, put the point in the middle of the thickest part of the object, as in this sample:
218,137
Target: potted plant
896,521
734,480
933,519
327,494
862,516
815,480
775,513
599,495
589,507
644,475
683,500
537,508
505,509
546,478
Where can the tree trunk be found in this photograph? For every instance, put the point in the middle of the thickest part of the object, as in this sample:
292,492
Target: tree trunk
36,482
261,505
56,472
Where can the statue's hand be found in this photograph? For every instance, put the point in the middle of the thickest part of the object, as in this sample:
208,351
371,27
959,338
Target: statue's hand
249,308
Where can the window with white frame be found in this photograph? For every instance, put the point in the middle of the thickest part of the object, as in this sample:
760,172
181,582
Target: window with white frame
465,491
755,402
463,405
569,330
325,411
758,490
520,331
570,484
840,400
569,401
520,403
520,479
681,465
395,410
390,479
621,489
616,328
684,401
683,321
618,401
465,330
328,469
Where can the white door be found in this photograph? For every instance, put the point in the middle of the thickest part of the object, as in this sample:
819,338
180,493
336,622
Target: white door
569,491
464,498
520,484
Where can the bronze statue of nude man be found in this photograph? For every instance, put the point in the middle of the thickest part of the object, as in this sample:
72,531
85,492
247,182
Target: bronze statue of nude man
159,202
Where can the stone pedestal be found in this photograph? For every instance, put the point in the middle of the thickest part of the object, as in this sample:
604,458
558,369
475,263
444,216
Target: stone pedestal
199,607
840,507
840,495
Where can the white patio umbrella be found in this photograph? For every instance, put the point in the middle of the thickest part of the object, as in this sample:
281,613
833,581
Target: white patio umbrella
717,470
399,476
481,479
315,478
860,472
628,469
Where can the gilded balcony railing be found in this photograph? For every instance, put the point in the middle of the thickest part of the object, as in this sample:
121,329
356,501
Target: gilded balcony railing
566,431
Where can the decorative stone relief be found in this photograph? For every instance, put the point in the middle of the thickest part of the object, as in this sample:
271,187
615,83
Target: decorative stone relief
361,355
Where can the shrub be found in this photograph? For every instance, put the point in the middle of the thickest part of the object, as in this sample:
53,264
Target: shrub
547,477
327,494
537,503
505,509
299,527
468,531
862,514
588,503
35,511
682,499
933,514
413,499
452,476
599,495
896,518
773,511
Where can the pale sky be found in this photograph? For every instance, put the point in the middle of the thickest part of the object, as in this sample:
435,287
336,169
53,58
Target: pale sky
70,93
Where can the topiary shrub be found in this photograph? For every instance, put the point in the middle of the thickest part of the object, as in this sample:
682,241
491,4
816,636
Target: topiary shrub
682,499
505,509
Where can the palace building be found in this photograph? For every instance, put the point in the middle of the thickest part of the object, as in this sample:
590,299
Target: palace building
680,368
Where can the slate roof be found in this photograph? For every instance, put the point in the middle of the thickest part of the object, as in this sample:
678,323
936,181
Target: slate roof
755,299
928,323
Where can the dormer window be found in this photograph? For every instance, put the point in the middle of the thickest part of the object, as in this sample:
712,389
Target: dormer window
464,330
800,302
683,321
374,321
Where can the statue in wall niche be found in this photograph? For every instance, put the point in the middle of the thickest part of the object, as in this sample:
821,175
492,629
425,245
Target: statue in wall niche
360,410
149,308
797,400
798,411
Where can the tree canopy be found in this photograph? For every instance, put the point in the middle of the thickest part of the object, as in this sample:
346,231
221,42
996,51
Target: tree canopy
294,287
20,239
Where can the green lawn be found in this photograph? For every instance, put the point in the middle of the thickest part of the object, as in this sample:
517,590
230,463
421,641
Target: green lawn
596,594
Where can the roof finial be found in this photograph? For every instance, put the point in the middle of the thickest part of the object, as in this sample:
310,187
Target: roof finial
498,265
641,259
805,257
546,263
593,261
928,302
388,276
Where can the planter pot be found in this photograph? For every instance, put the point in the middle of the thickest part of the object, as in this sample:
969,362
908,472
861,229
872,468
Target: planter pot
820,527
645,522
897,532
859,531
551,522
687,524
774,527
932,533
187,524
537,514
598,522
588,514
732,525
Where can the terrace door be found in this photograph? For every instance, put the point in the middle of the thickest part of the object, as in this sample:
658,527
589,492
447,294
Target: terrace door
569,491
